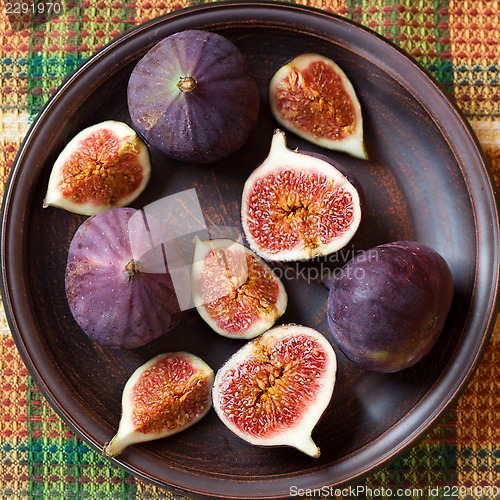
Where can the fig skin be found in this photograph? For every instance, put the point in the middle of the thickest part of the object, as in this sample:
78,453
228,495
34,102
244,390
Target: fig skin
106,165
242,298
312,97
274,389
388,306
296,206
176,395
118,287
192,97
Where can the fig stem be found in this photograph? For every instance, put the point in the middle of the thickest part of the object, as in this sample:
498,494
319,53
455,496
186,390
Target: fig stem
307,445
187,83
133,268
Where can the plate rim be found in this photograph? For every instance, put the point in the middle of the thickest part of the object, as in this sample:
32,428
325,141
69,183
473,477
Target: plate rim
230,6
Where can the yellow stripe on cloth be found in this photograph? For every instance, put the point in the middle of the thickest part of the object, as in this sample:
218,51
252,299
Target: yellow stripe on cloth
14,424
13,125
488,133
146,10
475,42
478,432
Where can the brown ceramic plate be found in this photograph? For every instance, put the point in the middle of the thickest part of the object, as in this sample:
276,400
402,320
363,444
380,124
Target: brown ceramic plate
426,180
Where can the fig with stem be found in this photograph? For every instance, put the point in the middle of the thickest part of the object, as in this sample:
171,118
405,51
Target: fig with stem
164,396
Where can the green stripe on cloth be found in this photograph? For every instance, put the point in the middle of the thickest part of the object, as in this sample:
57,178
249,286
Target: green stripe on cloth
432,462
424,33
62,466
381,16
59,47
355,10
47,460
420,28
13,73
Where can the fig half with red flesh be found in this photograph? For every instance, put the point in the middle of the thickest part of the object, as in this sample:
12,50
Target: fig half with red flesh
192,97
274,390
104,166
235,291
313,97
296,206
118,285
164,396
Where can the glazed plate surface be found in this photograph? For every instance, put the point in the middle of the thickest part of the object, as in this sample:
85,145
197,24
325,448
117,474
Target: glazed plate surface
426,180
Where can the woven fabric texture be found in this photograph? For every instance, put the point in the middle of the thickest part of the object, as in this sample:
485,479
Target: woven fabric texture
458,42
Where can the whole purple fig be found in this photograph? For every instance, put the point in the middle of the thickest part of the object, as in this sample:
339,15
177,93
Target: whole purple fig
192,97
388,305
118,286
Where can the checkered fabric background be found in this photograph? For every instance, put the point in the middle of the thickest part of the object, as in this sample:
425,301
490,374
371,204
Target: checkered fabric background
457,41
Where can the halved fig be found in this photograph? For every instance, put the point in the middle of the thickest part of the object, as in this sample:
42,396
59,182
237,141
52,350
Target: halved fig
296,206
313,97
164,396
104,166
235,291
118,285
274,390
192,97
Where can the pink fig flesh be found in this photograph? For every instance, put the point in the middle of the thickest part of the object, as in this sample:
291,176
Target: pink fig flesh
297,206
273,391
105,166
235,291
313,97
164,396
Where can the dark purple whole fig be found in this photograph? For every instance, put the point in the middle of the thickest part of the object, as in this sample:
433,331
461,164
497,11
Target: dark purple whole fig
192,97
118,286
388,305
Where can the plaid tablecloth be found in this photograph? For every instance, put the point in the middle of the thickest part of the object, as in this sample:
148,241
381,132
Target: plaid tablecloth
457,41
